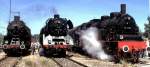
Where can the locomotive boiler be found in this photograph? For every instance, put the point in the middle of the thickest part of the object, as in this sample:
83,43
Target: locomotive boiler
54,38
119,34
18,38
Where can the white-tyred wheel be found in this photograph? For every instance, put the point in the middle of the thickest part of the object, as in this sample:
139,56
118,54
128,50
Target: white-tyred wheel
125,48
22,46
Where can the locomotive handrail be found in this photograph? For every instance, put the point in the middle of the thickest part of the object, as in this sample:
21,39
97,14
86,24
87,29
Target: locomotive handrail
121,40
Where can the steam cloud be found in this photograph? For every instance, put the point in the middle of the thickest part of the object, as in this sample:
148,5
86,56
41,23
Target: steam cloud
92,45
41,10
54,10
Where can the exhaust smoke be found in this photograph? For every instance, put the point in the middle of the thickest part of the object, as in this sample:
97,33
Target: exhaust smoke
54,11
92,45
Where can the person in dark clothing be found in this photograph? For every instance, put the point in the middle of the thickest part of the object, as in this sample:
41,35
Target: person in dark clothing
33,48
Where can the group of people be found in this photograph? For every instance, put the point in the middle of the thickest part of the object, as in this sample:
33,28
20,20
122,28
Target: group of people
35,47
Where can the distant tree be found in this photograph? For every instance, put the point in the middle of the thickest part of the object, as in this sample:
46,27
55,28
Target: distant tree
35,37
147,28
1,38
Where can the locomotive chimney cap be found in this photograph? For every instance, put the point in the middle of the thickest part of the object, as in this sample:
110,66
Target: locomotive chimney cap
16,18
56,15
123,8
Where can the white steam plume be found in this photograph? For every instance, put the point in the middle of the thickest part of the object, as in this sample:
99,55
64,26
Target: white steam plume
54,10
92,45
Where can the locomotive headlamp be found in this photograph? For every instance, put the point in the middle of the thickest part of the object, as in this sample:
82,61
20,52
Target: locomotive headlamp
125,48
121,36
129,18
6,42
49,41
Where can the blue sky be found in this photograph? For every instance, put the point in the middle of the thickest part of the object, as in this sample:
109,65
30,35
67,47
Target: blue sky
36,12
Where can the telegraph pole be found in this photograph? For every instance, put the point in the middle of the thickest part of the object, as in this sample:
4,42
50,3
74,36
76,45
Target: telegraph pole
149,20
12,12
9,10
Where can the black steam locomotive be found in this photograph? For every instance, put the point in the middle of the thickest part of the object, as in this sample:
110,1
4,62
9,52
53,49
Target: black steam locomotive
18,38
54,38
118,32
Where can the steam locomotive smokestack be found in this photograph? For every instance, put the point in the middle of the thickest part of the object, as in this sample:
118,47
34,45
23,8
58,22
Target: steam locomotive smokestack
123,8
16,18
56,16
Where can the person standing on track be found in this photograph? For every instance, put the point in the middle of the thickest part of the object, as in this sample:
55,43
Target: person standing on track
33,48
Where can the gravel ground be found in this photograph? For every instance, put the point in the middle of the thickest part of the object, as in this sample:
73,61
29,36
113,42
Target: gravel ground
36,61
64,62
144,62
95,62
2,55
9,62
90,62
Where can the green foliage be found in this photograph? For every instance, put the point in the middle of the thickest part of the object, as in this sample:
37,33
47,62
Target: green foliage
35,37
147,28
1,38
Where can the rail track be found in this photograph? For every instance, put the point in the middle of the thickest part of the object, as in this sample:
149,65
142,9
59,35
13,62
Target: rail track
9,61
67,62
